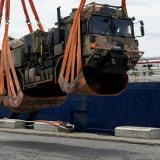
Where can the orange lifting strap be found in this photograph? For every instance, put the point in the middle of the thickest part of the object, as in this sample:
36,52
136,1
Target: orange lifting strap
72,52
1,10
27,16
13,94
124,6
35,15
70,80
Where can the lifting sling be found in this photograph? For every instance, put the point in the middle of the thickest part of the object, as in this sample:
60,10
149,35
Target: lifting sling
11,94
35,15
71,78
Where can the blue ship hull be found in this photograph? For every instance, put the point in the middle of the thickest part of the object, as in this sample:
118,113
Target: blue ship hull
139,105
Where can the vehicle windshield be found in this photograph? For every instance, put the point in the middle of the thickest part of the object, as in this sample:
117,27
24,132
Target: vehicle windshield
112,26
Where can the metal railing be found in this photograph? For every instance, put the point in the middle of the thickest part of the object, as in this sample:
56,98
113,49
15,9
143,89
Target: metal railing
147,70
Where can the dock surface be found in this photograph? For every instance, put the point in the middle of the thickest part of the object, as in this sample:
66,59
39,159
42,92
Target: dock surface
33,147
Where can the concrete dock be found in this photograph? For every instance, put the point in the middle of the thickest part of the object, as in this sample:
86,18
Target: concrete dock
33,147
86,136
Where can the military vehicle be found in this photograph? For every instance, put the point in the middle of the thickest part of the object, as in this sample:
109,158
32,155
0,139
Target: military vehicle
109,50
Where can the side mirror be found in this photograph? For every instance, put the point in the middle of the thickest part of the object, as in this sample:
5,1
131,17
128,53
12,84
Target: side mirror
142,31
142,28
142,23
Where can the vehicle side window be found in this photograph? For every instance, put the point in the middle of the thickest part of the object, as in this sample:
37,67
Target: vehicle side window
84,27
